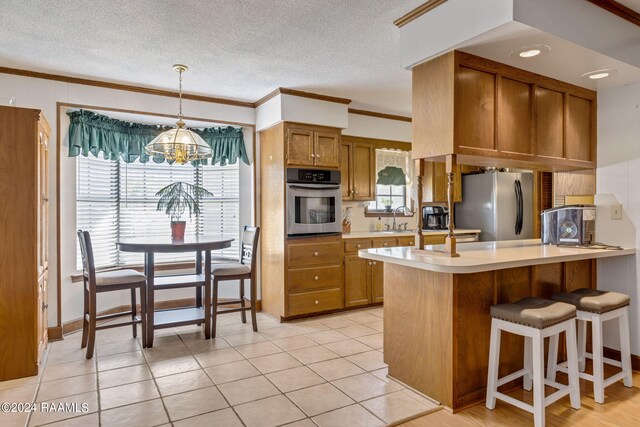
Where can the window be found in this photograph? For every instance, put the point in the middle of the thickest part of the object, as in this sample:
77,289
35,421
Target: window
394,195
117,200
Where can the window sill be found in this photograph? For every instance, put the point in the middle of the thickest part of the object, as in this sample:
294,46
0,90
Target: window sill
75,278
374,213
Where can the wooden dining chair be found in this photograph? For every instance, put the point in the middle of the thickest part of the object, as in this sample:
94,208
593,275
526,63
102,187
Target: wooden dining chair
108,281
245,269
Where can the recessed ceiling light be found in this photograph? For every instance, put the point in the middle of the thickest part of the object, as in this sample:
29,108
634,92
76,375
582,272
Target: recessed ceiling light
598,74
530,51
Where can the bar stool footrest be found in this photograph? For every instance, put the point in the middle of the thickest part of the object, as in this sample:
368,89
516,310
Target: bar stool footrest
512,401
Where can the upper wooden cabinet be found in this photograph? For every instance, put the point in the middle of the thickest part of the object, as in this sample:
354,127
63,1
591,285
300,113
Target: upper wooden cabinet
358,170
491,114
435,183
312,146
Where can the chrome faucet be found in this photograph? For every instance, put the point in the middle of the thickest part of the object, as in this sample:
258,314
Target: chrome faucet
406,209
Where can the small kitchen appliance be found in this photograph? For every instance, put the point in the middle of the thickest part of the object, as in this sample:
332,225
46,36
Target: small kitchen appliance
435,217
573,225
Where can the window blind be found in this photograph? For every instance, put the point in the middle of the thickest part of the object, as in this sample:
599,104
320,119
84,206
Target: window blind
139,184
117,200
220,214
97,208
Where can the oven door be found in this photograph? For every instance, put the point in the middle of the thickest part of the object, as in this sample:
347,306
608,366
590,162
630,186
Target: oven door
313,208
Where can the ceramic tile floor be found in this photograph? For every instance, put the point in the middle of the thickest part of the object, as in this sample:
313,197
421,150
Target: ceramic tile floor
324,371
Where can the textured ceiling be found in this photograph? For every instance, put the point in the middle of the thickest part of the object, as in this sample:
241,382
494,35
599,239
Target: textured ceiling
239,49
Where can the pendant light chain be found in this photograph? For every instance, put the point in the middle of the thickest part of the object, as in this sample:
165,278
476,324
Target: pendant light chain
180,93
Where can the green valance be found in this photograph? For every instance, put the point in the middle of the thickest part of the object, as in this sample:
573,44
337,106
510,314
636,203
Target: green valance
391,175
94,133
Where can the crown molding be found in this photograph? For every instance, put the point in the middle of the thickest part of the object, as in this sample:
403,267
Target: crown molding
417,12
124,87
379,115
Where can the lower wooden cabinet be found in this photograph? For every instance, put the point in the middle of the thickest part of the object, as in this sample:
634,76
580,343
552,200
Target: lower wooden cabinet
363,278
314,276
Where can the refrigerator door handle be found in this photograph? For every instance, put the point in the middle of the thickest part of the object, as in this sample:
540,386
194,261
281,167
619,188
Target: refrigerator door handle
519,200
517,224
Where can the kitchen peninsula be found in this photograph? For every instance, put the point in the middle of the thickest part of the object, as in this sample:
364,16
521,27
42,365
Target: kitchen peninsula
436,309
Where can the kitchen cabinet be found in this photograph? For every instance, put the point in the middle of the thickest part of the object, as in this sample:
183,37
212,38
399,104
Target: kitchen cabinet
358,170
492,114
435,183
315,276
24,229
364,279
312,146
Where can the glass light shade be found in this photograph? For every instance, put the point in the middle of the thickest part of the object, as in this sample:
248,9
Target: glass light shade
179,145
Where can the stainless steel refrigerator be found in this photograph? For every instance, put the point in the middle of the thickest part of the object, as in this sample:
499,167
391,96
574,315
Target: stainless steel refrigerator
498,203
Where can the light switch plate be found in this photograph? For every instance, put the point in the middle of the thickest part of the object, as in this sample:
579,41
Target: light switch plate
616,211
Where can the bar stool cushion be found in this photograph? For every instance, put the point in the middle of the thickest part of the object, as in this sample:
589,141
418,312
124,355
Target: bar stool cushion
534,312
229,269
593,300
119,277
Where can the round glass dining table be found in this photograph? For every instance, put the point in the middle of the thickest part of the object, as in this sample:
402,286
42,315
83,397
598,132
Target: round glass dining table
201,312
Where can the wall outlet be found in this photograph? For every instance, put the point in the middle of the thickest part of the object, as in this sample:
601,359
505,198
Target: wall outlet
616,212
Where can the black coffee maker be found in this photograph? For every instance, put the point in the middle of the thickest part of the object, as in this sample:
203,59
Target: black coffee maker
435,217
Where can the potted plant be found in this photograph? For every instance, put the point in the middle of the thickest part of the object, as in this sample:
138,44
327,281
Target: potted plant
175,199
387,204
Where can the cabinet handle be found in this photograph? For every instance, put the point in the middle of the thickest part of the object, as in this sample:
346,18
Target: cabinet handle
317,302
355,192
45,306
317,156
374,263
385,244
369,262
410,243
358,246
316,278
313,155
45,199
315,254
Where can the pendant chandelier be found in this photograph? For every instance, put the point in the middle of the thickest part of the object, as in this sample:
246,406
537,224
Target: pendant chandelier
179,145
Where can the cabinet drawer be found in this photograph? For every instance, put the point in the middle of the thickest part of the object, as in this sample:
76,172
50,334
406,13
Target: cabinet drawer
310,254
438,239
307,279
311,302
386,242
354,245
406,241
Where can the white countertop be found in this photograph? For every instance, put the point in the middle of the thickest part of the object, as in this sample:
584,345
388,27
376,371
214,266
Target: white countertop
373,234
488,256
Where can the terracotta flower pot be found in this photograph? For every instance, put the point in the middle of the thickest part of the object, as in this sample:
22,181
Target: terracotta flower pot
177,229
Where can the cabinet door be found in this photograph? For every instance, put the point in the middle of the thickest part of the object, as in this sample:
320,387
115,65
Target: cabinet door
364,171
299,147
515,117
345,171
356,281
327,149
441,183
579,123
549,122
377,281
475,108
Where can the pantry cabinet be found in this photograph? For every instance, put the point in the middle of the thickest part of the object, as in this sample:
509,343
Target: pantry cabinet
492,114
24,219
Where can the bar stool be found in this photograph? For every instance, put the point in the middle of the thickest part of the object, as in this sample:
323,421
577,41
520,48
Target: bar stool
596,307
535,319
